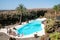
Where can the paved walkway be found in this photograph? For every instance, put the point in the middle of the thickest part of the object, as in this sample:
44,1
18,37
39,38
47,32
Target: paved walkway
3,36
30,38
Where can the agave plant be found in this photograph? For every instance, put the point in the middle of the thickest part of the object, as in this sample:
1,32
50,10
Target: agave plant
49,25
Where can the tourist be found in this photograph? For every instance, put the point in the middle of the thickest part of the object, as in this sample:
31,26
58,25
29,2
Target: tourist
14,28
7,30
35,35
18,35
10,31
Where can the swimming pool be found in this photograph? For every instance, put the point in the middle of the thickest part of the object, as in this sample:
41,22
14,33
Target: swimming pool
30,28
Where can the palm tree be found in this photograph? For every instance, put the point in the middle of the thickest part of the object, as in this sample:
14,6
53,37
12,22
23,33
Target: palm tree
21,10
56,9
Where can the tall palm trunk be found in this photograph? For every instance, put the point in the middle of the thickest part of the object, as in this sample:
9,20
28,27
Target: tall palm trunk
55,14
20,18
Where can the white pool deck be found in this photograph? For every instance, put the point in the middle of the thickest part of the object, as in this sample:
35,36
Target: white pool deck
39,33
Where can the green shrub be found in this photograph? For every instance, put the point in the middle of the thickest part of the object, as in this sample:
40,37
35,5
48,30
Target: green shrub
1,26
49,25
55,36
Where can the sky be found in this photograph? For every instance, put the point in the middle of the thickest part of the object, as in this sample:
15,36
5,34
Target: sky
29,4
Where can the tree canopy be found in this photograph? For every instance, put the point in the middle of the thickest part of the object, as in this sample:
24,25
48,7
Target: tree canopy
56,7
21,8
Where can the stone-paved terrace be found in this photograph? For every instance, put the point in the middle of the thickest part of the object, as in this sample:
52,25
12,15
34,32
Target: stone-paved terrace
3,36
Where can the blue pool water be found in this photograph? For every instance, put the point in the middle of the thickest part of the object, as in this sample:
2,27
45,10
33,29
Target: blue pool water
33,26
